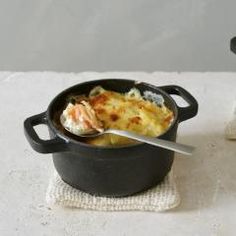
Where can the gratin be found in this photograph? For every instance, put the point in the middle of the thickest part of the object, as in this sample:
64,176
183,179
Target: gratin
103,109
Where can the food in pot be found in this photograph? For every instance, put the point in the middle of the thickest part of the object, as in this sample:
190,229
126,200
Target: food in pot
80,118
104,109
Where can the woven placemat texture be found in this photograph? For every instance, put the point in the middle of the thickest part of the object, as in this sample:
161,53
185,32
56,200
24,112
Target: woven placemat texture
162,197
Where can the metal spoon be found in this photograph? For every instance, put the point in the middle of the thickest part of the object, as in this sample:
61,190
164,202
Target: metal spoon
177,147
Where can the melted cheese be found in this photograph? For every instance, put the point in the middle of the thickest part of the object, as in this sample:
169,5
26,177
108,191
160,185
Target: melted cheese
127,112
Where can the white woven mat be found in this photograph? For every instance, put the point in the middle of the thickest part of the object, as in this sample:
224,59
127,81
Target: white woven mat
230,129
160,198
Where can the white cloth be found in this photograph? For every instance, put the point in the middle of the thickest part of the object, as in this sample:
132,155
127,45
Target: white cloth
160,198
230,129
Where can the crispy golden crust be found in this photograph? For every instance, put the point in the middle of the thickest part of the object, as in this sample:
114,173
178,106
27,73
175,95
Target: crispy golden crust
120,111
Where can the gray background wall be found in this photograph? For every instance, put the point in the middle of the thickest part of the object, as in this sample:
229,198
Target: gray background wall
102,35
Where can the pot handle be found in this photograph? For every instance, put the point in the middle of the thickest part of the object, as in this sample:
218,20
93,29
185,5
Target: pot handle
233,44
56,144
188,112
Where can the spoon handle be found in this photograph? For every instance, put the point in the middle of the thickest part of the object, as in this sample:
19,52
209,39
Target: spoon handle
177,147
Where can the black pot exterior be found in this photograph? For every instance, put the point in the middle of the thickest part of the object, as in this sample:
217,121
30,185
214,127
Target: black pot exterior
127,171
233,45
107,171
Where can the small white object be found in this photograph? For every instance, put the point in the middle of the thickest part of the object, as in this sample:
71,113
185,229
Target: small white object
230,129
162,197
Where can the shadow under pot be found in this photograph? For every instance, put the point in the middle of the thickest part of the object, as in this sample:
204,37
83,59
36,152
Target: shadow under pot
108,171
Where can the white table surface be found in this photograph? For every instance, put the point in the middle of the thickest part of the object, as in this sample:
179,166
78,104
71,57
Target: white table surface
206,181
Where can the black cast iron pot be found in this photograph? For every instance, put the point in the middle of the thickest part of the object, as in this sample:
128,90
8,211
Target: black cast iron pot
108,171
233,45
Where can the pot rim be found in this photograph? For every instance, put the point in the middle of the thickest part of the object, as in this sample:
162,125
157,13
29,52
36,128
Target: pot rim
86,145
